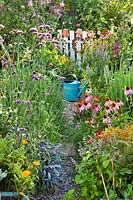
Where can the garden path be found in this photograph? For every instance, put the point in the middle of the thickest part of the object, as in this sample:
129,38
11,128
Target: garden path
68,164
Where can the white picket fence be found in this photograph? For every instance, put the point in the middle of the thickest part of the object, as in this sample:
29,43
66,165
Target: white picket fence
66,45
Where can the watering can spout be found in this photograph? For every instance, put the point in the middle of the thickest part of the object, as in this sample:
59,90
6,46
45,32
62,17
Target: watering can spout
82,90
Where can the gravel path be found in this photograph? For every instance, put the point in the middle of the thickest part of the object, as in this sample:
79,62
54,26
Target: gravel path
68,164
67,183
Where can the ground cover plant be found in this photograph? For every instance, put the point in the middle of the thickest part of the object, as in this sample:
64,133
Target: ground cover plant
35,119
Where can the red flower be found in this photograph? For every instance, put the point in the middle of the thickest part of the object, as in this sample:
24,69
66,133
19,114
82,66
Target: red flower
98,132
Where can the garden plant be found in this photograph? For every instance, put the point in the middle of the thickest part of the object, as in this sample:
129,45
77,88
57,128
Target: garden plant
36,121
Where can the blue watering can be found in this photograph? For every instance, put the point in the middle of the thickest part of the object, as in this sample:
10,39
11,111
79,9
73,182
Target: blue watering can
72,89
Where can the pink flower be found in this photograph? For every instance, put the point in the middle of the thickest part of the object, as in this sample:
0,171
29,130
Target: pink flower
82,108
62,4
91,34
108,102
89,98
92,121
96,108
77,25
44,1
116,48
87,106
108,110
41,2
2,7
114,107
119,103
128,90
30,4
107,120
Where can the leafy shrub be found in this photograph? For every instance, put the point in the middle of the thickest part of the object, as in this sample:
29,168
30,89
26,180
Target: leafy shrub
105,170
99,14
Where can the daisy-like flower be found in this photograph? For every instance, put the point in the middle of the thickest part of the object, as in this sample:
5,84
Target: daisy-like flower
26,173
96,108
119,103
114,107
128,91
108,109
88,98
82,108
24,142
88,106
106,119
108,102
36,163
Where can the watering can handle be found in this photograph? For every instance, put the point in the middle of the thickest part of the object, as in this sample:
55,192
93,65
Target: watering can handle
73,75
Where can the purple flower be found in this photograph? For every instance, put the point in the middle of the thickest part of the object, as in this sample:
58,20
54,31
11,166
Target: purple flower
19,101
47,26
55,10
49,87
33,30
30,4
77,125
41,35
48,36
36,77
28,103
21,129
116,48
62,78
41,26
47,94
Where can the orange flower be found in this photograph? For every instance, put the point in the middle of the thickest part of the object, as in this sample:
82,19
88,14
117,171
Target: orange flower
25,173
24,142
36,163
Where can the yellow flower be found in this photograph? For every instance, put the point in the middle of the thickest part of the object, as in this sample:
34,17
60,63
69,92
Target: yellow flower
25,173
24,142
36,163
0,136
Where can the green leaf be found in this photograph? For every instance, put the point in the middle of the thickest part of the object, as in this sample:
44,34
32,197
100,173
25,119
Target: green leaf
78,179
84,191
70,192
125,171
106,163
130,187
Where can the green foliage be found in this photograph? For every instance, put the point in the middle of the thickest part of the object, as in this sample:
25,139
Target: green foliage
103,171
69,195
99,14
